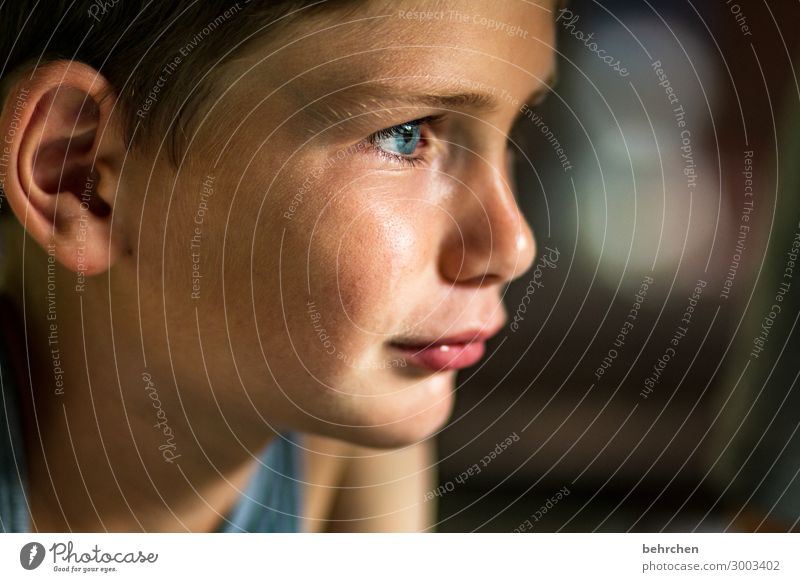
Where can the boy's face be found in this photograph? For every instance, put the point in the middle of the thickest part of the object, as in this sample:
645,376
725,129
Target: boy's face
299,253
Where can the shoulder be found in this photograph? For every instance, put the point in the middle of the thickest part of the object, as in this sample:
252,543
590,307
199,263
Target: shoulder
348,487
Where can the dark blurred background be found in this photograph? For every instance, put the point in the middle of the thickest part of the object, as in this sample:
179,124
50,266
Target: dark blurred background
680,173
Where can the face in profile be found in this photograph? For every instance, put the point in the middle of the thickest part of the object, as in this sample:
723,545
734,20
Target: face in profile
344,222
336,239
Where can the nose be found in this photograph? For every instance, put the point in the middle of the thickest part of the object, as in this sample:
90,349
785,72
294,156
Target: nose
489,241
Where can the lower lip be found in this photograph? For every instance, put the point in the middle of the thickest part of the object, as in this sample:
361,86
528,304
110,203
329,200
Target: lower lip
444,357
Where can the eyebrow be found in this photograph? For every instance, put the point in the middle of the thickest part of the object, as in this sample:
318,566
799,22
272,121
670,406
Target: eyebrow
371,97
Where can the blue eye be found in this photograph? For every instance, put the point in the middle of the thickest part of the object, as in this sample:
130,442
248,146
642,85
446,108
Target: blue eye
400,139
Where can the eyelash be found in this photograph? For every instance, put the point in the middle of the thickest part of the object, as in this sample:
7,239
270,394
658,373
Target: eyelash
515,134
388,132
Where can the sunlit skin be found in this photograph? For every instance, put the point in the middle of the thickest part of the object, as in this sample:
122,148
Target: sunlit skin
320,249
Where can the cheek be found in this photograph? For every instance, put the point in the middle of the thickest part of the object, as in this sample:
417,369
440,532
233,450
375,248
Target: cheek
372,258
340,275
379,256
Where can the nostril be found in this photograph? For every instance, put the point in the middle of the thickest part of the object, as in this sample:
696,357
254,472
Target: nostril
482,280
490,279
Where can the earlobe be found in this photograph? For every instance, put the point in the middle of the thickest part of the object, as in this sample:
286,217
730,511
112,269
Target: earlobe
62,159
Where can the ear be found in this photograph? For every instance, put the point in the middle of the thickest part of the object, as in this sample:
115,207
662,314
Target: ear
63,154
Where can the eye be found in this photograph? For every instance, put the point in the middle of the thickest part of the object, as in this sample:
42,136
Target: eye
400,139
402,142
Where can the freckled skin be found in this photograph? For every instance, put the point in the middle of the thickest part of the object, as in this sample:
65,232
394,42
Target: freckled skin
262,285
377,247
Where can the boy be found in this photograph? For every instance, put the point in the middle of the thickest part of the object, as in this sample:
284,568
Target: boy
228,223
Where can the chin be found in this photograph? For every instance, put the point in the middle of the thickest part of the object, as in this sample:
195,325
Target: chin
394,431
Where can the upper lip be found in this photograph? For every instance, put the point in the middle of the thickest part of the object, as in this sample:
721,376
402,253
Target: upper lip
477,334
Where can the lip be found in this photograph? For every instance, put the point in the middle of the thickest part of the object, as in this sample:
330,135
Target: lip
460,350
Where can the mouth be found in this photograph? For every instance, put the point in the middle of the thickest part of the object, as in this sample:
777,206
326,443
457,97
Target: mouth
453,352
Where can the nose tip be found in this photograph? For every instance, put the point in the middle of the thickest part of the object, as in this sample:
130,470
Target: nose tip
492,242
525,249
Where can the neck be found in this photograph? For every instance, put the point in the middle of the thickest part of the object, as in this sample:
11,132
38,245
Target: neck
116,440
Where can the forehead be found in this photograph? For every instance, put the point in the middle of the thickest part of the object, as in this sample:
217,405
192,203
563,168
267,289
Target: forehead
498,46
